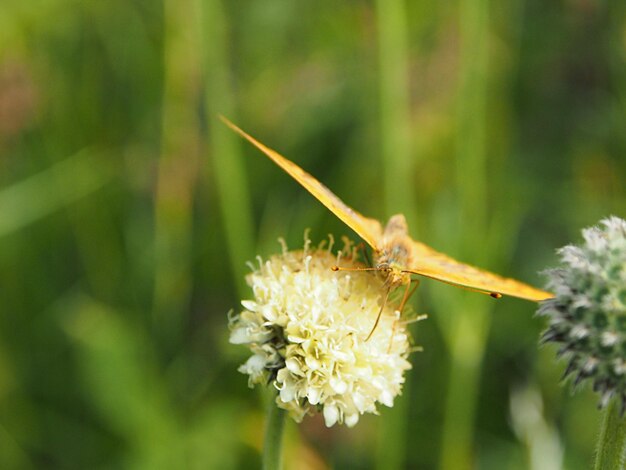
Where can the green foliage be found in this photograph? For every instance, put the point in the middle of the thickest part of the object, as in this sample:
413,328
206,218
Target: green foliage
127,212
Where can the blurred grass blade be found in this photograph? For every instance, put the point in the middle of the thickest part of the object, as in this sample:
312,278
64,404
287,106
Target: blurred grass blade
119,369
177,169
467,346
468,333
48,191
224,148
543,445
394,108
397,170
471,135
207,443
11,454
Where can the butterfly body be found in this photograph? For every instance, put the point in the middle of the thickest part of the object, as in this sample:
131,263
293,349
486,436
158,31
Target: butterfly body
396,254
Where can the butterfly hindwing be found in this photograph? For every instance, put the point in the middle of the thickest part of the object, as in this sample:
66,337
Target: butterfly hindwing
435,265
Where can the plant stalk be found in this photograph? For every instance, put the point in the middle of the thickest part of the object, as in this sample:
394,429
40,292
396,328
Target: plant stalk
272,447
612,439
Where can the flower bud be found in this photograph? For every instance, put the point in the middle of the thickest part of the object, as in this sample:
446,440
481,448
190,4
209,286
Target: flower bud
587,316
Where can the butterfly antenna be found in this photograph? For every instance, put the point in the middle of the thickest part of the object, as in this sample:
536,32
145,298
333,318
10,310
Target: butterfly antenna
495,295
339,268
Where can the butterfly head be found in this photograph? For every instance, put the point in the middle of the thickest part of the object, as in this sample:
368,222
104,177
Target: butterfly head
392,270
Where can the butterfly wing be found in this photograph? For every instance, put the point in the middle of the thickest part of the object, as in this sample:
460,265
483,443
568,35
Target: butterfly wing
368,229
430,263
427,262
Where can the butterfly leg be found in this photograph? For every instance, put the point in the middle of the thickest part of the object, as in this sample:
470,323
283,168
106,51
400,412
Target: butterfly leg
380,312
408,292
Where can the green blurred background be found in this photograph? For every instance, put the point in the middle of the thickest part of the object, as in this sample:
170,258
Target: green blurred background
127,212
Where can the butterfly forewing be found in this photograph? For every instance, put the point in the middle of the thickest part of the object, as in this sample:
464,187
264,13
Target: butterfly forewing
368,229
423,260
430,263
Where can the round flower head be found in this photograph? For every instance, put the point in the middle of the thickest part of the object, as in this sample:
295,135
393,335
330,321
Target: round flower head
587,316
307,328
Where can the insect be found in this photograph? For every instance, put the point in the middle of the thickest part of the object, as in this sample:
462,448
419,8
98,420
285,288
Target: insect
395,252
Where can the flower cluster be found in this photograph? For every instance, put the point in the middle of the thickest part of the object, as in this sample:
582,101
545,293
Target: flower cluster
587,316
307,328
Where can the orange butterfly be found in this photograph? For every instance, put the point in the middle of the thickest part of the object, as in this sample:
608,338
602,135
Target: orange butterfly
394,251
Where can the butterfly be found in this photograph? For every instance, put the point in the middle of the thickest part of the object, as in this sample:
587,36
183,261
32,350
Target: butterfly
395,252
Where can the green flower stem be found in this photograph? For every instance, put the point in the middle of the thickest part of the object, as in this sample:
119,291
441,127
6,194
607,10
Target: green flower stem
272,447
612,439
392,433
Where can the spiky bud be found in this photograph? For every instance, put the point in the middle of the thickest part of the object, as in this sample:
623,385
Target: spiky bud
587,316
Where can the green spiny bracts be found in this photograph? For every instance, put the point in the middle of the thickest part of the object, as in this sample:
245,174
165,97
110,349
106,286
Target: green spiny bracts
587,316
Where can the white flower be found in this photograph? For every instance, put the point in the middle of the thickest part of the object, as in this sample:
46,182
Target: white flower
307,328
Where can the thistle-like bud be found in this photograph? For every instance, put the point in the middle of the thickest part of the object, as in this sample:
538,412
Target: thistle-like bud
587,316
308,328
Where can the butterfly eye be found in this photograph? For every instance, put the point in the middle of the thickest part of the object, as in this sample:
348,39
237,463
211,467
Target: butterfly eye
383,266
